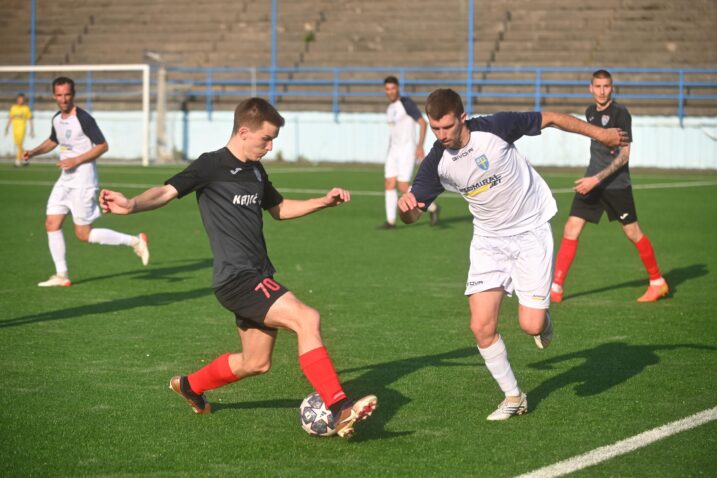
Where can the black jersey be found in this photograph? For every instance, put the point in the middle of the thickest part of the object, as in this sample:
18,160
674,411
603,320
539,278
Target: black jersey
614,116
231,195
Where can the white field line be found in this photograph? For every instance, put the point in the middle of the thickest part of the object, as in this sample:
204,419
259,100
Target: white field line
622,447
321,192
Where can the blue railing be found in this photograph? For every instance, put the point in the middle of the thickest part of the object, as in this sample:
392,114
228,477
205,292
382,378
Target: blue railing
670,87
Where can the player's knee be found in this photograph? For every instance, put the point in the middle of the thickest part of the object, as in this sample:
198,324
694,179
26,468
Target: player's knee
257,367
82,235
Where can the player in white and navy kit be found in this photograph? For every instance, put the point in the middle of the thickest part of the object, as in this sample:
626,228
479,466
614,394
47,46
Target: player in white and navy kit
75,192
512,246
404,151
233,190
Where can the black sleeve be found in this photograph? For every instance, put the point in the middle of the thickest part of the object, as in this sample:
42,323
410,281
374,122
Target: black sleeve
272,197
53,133
89,127
508,125
194,177
624,122
427,185
411,108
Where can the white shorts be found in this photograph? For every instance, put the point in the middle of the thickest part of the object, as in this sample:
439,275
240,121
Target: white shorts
523,263
81,202
400,162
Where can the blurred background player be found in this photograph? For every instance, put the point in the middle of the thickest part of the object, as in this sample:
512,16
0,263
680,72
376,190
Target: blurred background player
606,187
512,246
75,192
403,150
233,190
20,115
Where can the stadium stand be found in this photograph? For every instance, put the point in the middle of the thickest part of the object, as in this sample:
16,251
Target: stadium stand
373,33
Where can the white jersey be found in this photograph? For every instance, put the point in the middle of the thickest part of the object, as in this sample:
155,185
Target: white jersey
77,134
504,193
402,116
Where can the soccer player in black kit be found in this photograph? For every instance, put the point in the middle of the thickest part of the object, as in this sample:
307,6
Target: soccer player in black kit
606,187
232,189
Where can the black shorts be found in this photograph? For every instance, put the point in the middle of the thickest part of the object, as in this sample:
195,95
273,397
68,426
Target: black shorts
250,296
618,203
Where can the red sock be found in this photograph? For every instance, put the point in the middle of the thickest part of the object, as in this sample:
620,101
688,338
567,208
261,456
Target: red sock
566,254
215,375
647,254
319,370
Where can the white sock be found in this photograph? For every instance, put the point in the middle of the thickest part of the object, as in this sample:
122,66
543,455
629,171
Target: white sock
659,281
496,361
108,237
56,241
391,204
432,207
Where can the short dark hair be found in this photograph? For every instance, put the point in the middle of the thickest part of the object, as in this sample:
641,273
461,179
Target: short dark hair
390,79
602,74
442,102
252,113
63,80
20,95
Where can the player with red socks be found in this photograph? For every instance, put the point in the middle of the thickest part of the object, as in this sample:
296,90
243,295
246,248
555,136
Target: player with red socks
606,187
233,190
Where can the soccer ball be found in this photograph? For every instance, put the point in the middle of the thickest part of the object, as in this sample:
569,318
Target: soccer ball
316,419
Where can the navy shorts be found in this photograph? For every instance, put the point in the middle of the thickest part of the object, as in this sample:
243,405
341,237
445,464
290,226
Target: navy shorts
249,296
618,203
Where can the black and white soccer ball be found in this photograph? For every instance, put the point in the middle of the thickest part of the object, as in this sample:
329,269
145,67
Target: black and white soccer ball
316,419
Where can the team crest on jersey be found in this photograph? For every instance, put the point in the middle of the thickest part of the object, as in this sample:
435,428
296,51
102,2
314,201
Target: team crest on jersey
257,174
482,162
68,134
605,120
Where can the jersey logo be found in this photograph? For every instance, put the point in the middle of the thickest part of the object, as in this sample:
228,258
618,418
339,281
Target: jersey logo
245,199
461,155
68,134
481,186
234,171
605,119
482,162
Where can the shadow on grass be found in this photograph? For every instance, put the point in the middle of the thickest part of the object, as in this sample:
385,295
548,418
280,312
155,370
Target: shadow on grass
603,367
674,278
148,300
375,379
167,273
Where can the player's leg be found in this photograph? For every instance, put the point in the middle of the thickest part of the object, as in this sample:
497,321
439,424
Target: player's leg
288,312
56,244
390,202
18,132
583,209
620,206
85,210
254,359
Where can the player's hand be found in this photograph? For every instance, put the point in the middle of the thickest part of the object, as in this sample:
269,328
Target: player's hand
67,163
614,137
26,156
114,202
336,196
419,154
408,202
585,185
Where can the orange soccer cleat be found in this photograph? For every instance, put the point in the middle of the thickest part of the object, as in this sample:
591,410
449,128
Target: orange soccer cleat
654,292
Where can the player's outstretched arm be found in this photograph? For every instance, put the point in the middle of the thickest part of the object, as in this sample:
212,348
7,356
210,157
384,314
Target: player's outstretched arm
610,137
292,208
409,208
153,198
44,147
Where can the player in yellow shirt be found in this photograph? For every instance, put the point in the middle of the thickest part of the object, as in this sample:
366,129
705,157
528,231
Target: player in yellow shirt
20,115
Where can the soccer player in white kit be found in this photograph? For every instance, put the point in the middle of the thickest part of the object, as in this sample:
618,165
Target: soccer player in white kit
402,115
512,246
75,192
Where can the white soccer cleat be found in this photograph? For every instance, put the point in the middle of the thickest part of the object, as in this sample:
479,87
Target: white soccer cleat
56,280
354,412
546,336
509,407
141,248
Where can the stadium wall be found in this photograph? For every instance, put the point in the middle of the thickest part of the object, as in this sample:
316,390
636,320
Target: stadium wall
660,142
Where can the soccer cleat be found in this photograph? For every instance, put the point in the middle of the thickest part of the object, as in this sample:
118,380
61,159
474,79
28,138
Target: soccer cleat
433,215
543,339
509,407
199,403
654,292
386,225
354,412
141,248
556,293
56,280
